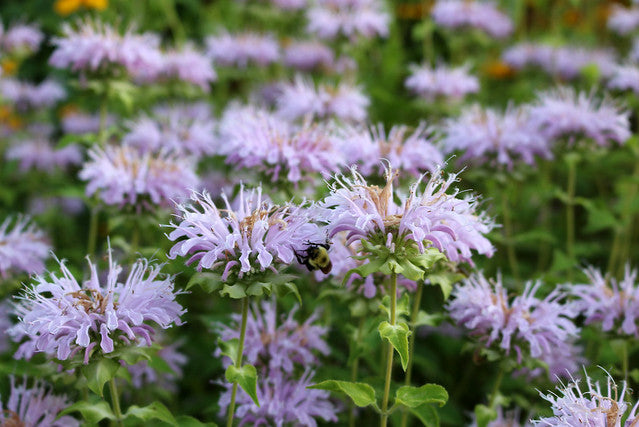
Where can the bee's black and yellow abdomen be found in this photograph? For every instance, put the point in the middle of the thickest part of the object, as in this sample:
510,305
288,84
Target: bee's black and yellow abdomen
316,258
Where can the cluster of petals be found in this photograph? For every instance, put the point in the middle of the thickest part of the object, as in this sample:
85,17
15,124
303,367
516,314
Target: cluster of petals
489,136
624,77
94,46
429,217
308,55
275,146
34,407
25,95
255,236
303,99
79,122
289,4
573,407
23,248
181,128
482,15
60,317
441,81
186,65
623,20
238,50
566,62
563,112
40,154
328,19
605,300
124,175
278,346
543,328
20,38
406,150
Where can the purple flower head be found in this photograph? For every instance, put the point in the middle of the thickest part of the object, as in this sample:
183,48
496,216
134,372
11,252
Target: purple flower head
23,249
303,99
255,236
476,14
183,129
187,65
271,347
34,407
566,113
125,176
508,419
143,374
614,304
5,324
444,81
40,153
353,19
239,50
256,138
489,136
572,407
430,218
407,151
283,401
94,46
78,122
28,96
623,20
60,317
625,77
289,4
20,38
526,324
308,55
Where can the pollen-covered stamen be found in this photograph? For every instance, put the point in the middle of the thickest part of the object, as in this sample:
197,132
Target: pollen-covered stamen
13,420
92,300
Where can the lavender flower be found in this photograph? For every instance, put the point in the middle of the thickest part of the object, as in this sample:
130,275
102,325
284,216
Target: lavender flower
78,122
541,327
448,82
352,18
290,4
34,407
5,324
236,242
277,347
283,401
623,20
27,96
181,128
508,419
489,136
625,77
476,14
22,249
572,408
187,65
303,99
240,49
40,154
125,176
60,317
142,374
431,218
20,38
94,46
410,152
564,112
308,55
270,144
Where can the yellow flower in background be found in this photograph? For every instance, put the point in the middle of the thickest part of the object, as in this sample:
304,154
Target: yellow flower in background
9,66
67,7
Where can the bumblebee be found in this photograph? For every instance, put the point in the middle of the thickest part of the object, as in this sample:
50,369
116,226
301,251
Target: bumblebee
315,257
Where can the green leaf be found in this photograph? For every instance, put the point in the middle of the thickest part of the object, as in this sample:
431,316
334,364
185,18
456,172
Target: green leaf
258,289
132,354
188,421
412,397
92,412
229,348
210,282
426,414
283,289
425,319
428,259
361,394
234,291
154,411
484,415
445,279
245,377
98,373
398,337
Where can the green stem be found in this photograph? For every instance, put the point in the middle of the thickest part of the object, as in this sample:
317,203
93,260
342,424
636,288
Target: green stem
115,400
508,236
624,359
411,344
238,360
135,238
570,214
495,392
93,231
354,371
545,216
102,137
390,351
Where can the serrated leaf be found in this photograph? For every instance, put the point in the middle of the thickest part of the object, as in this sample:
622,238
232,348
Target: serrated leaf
245,377
426,414
484,415
98,373
412,397
229,348
154,411
92,412
209,282
361,394
397,335
233,291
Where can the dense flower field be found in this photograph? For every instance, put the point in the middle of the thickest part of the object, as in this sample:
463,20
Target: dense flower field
314,212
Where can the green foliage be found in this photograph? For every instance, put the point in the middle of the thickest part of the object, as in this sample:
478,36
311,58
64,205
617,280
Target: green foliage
361,394
98,372
92,412
397,335
245,377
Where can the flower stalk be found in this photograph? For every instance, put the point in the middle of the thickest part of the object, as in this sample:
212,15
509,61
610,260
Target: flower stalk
238,359
411,343
115,402
390,351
